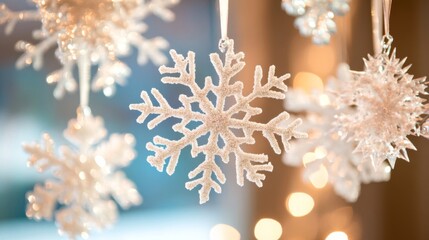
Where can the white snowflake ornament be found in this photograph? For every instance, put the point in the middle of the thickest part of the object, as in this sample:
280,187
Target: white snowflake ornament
87,177
315,18
218,120
324,154
90,33
388,106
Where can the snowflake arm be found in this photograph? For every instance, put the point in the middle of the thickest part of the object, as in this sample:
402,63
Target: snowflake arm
43,158
217,121
33,54
110,74
64,80
11,18
149,49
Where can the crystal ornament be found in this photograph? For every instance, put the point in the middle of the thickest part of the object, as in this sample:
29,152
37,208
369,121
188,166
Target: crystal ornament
87,177
315,18
388,106
324,150
224,124
96,32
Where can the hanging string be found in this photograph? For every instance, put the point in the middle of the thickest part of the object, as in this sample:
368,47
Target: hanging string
377,24
84,67
387,5
343,38
223,7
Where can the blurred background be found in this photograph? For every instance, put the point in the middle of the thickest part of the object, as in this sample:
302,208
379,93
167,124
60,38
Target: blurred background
392,210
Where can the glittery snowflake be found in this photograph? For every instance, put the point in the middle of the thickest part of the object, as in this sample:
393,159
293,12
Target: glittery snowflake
87,179
324,153
226,121
387,106
316,17
90,33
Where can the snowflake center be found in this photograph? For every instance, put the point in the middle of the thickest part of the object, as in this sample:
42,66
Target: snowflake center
218,121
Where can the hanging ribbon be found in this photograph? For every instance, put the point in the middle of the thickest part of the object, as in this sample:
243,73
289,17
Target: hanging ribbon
377,24
84,67
223,7
387,5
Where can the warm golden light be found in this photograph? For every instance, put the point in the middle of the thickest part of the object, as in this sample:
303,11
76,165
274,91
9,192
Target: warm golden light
299,204
337,236
320,152
224,232
307,82
308,158
320,178
387,169
320,59
268,229
324,100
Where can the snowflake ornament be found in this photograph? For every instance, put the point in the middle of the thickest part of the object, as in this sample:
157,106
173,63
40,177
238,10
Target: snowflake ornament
324,153
388,106
90,33
87,177
226,122
316,17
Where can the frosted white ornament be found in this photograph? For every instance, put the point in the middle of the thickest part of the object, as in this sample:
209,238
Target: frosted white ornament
227,131
388,106
325,150
86,177
90,33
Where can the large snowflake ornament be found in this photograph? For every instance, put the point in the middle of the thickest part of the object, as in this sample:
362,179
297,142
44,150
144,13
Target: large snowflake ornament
315,18
87,177
324,153
388,106
90,33
226,122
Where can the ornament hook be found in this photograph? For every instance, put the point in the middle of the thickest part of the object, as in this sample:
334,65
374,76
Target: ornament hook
386,44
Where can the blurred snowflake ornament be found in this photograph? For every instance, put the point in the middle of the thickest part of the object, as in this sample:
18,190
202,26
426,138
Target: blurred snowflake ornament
388,106
315,18
324,154
90,33
87,179
225,121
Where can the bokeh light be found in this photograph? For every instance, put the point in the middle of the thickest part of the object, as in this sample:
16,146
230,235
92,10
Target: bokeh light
324,100
320,152
307,82
268,229
308,158
337,236
224,232
299,204
319,178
